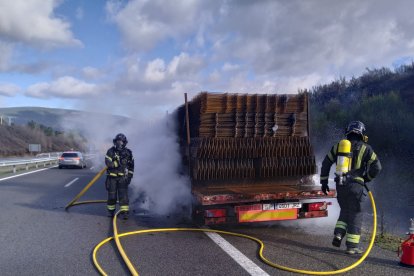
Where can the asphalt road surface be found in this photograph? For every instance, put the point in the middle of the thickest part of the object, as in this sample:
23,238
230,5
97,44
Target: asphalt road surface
38,237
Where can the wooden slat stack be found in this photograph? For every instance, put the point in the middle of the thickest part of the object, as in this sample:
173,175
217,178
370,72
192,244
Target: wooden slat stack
243,136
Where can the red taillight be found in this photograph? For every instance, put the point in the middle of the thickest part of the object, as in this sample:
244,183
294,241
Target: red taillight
77,158
215,213
242,208
61,158
317,206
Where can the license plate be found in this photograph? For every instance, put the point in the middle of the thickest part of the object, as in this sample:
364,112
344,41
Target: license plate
288,205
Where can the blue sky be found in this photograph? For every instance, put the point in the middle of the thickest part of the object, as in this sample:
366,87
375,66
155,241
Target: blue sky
138,57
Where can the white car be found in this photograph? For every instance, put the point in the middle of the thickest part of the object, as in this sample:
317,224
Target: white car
72,159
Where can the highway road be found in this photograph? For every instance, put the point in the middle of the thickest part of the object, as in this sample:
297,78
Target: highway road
38,237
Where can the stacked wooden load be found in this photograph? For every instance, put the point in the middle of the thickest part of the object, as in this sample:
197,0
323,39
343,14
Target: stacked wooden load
241,136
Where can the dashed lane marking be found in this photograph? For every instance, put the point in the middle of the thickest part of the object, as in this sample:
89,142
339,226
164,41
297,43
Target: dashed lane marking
73,181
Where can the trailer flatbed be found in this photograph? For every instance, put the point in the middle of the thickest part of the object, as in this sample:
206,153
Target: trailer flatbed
227,194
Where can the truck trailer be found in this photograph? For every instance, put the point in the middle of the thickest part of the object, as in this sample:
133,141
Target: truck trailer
249,158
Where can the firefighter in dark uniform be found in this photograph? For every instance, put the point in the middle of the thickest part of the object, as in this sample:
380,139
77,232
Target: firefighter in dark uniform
363,167
120,170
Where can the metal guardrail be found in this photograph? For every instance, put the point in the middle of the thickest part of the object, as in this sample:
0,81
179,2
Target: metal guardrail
15,165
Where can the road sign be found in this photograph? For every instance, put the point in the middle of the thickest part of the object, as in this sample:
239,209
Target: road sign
34,147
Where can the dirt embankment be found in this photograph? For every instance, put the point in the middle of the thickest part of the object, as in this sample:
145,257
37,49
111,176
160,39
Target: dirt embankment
15,140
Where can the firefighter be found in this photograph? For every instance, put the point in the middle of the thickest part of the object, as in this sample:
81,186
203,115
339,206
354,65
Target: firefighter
120,170
356,165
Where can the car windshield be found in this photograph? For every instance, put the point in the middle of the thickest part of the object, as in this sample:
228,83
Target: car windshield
70,154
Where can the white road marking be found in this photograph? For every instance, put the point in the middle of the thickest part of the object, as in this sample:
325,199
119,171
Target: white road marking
9,177
239,257
91,168
73,181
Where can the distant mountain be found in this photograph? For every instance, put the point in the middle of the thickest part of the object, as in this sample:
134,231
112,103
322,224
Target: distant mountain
51,117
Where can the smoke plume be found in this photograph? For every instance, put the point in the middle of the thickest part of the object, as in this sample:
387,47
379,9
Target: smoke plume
157,183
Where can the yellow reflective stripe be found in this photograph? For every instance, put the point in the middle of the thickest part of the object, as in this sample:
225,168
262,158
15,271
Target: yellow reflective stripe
324,177
120,173
110,207
359,179
115,164
107,157
341,225
353,238
131,172
113,174
373,158
360,155
124,208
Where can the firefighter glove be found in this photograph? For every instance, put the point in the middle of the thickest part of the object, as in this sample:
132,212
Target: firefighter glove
128,180
325,187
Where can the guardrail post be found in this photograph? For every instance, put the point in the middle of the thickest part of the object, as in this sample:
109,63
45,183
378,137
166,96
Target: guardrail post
37,165
27,166
14,168
44,164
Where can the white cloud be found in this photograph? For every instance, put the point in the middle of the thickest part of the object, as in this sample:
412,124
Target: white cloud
79,13
276,39
235,46
294,38
230,67
33,22
145,23
158,72
63,87
155,71
184,64
9,89
6,52
214,77
91,73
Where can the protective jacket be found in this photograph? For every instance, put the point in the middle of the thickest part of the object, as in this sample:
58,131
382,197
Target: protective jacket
120,163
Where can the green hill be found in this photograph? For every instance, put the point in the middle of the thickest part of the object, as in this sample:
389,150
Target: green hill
14,140
55,129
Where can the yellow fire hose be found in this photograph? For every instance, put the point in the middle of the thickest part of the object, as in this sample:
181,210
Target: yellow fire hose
74,200
134,272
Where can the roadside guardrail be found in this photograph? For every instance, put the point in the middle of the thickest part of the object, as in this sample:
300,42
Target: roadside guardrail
16,165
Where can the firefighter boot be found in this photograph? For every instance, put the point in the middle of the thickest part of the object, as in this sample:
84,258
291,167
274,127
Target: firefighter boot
337,240
111,213
124,215
354,250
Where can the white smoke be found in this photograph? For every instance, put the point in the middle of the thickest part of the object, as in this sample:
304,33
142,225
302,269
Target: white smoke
324,225
157,183
157,166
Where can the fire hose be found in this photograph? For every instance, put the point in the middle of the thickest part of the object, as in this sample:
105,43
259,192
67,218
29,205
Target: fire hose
261,244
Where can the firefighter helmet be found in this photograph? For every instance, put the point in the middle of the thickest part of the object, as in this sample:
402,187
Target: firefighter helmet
357,127
120,140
